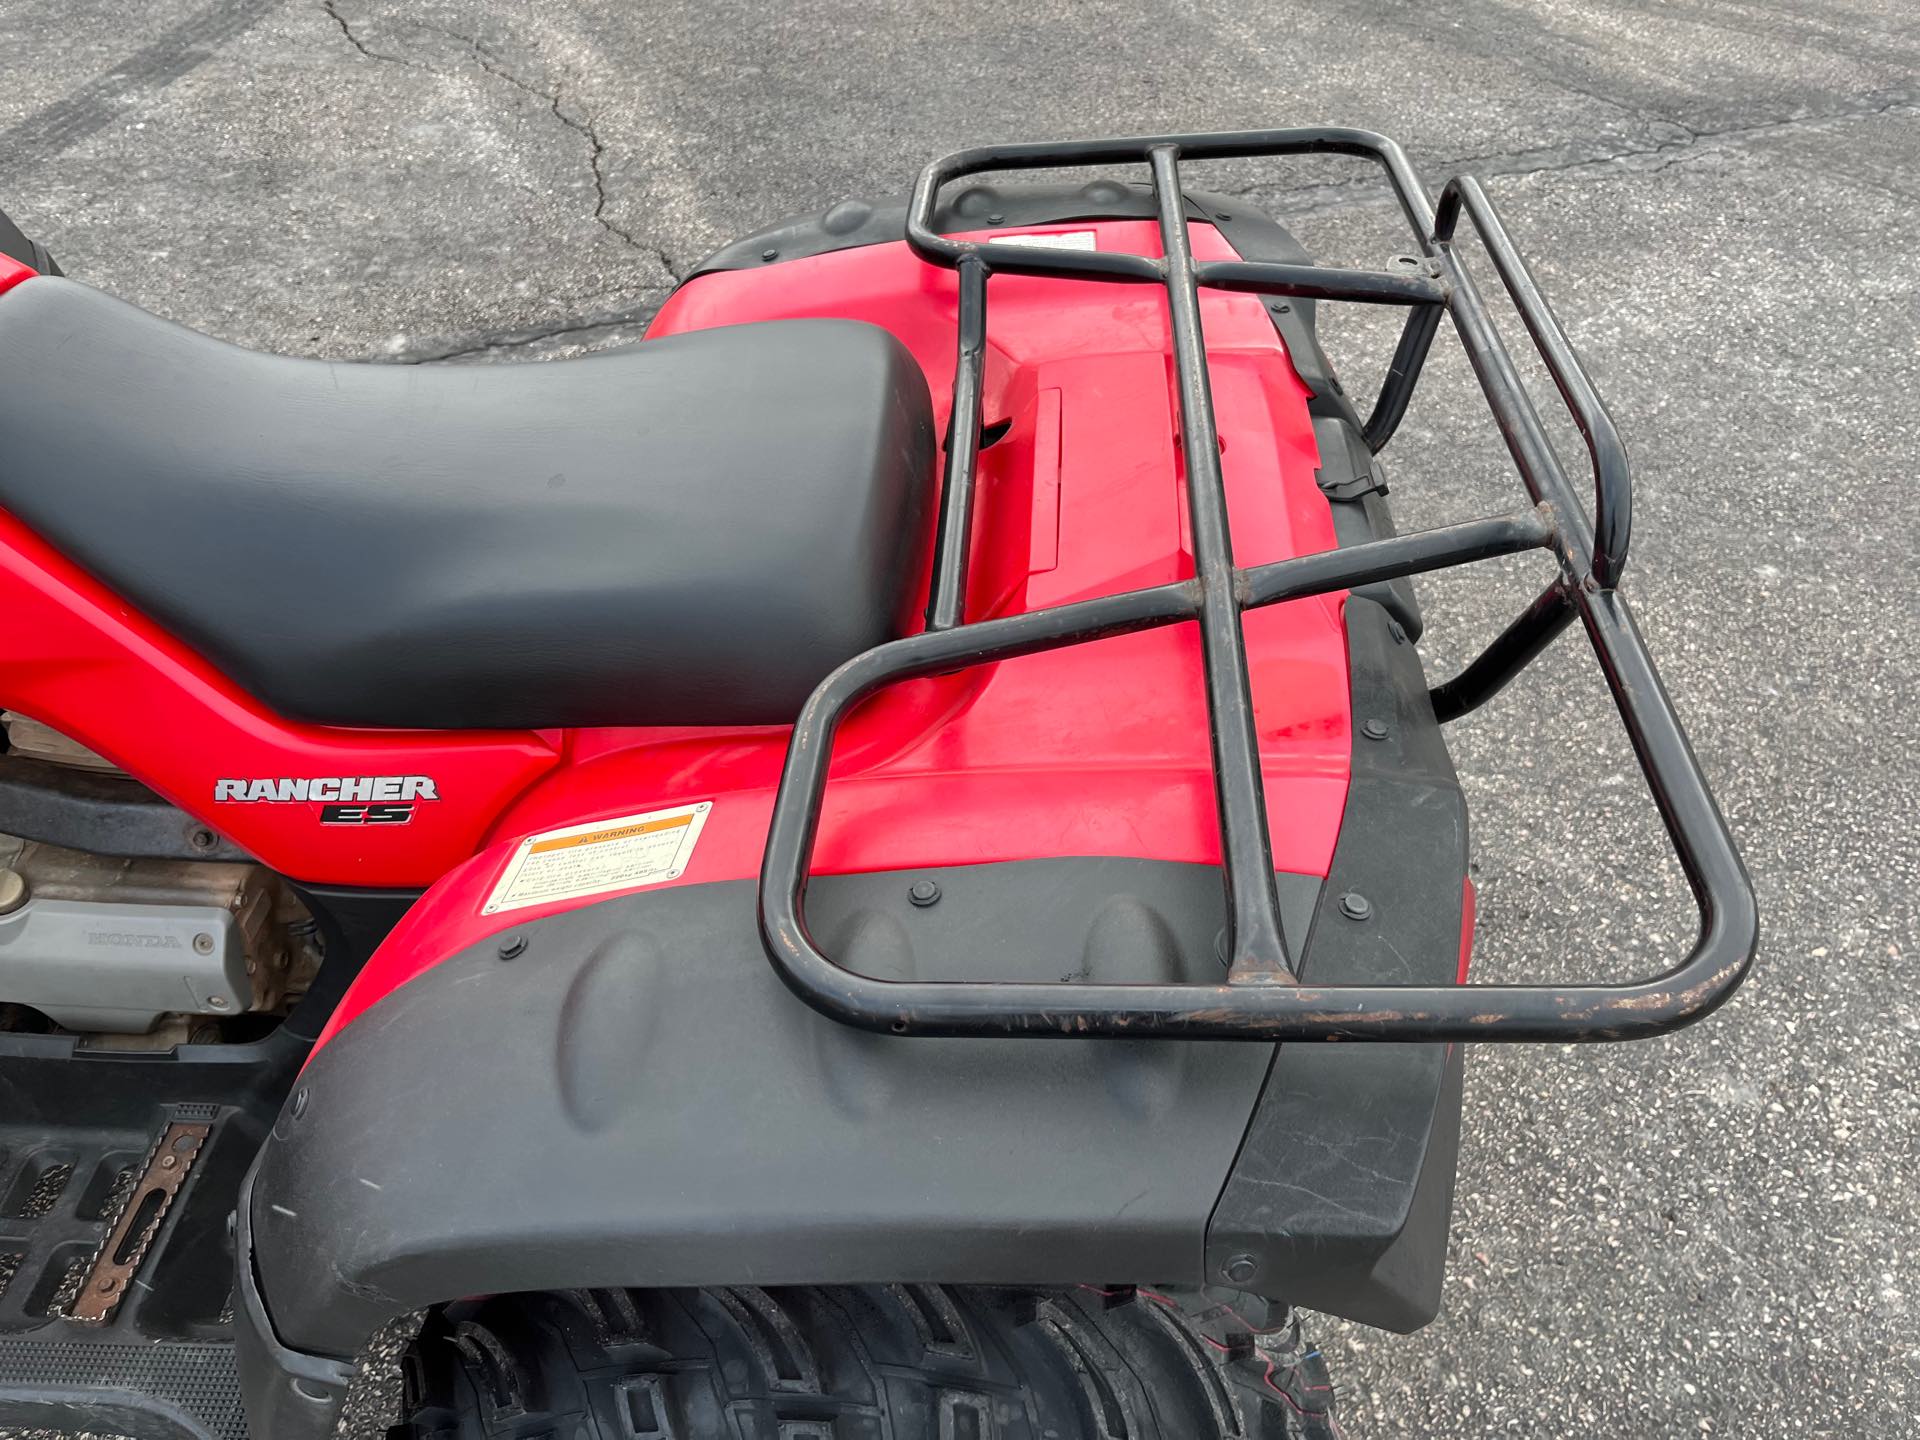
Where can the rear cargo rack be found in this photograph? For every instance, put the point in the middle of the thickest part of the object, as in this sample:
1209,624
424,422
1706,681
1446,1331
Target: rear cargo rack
1262,998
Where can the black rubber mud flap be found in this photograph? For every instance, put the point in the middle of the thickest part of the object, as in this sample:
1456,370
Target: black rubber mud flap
287,1393
1341,1197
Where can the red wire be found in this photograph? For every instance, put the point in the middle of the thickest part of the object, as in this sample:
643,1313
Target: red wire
1267,1378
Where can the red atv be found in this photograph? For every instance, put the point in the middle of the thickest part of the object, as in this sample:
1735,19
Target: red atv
587,851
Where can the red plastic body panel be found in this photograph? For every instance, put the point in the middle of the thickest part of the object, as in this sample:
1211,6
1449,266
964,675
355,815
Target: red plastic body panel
12,272
1469,913
81,660
1097,749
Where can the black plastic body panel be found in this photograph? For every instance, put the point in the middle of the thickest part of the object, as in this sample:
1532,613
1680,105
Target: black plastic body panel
31,253
1355,484
353,921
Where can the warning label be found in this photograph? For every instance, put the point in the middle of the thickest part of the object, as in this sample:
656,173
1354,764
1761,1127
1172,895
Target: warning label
594,859
1051,240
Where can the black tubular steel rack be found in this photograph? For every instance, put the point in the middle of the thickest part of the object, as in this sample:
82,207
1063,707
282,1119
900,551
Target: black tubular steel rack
1261,998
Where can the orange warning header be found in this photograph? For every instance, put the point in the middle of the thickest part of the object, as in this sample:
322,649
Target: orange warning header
620,832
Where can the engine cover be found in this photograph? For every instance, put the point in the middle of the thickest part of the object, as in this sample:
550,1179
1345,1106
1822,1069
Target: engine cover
88,965
98,944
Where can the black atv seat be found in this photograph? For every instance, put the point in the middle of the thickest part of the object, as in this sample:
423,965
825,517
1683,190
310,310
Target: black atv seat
692,530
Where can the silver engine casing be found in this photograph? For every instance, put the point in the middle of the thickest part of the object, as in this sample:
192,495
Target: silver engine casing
98,944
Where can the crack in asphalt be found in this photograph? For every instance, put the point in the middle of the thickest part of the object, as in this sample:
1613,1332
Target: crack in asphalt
490,62
1303,200
582,125
346,29
1652,159
1675,143
519,339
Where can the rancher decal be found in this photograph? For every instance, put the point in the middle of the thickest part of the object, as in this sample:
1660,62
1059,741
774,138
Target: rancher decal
343,799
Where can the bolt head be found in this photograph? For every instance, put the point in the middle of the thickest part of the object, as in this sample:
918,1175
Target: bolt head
513,947
219,1002
1240,1269
1356,906
203,944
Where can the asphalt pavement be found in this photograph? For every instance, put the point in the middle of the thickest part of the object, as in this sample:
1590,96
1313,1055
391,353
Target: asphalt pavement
1708,1235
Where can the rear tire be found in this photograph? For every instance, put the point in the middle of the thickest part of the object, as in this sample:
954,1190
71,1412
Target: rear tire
895,1362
